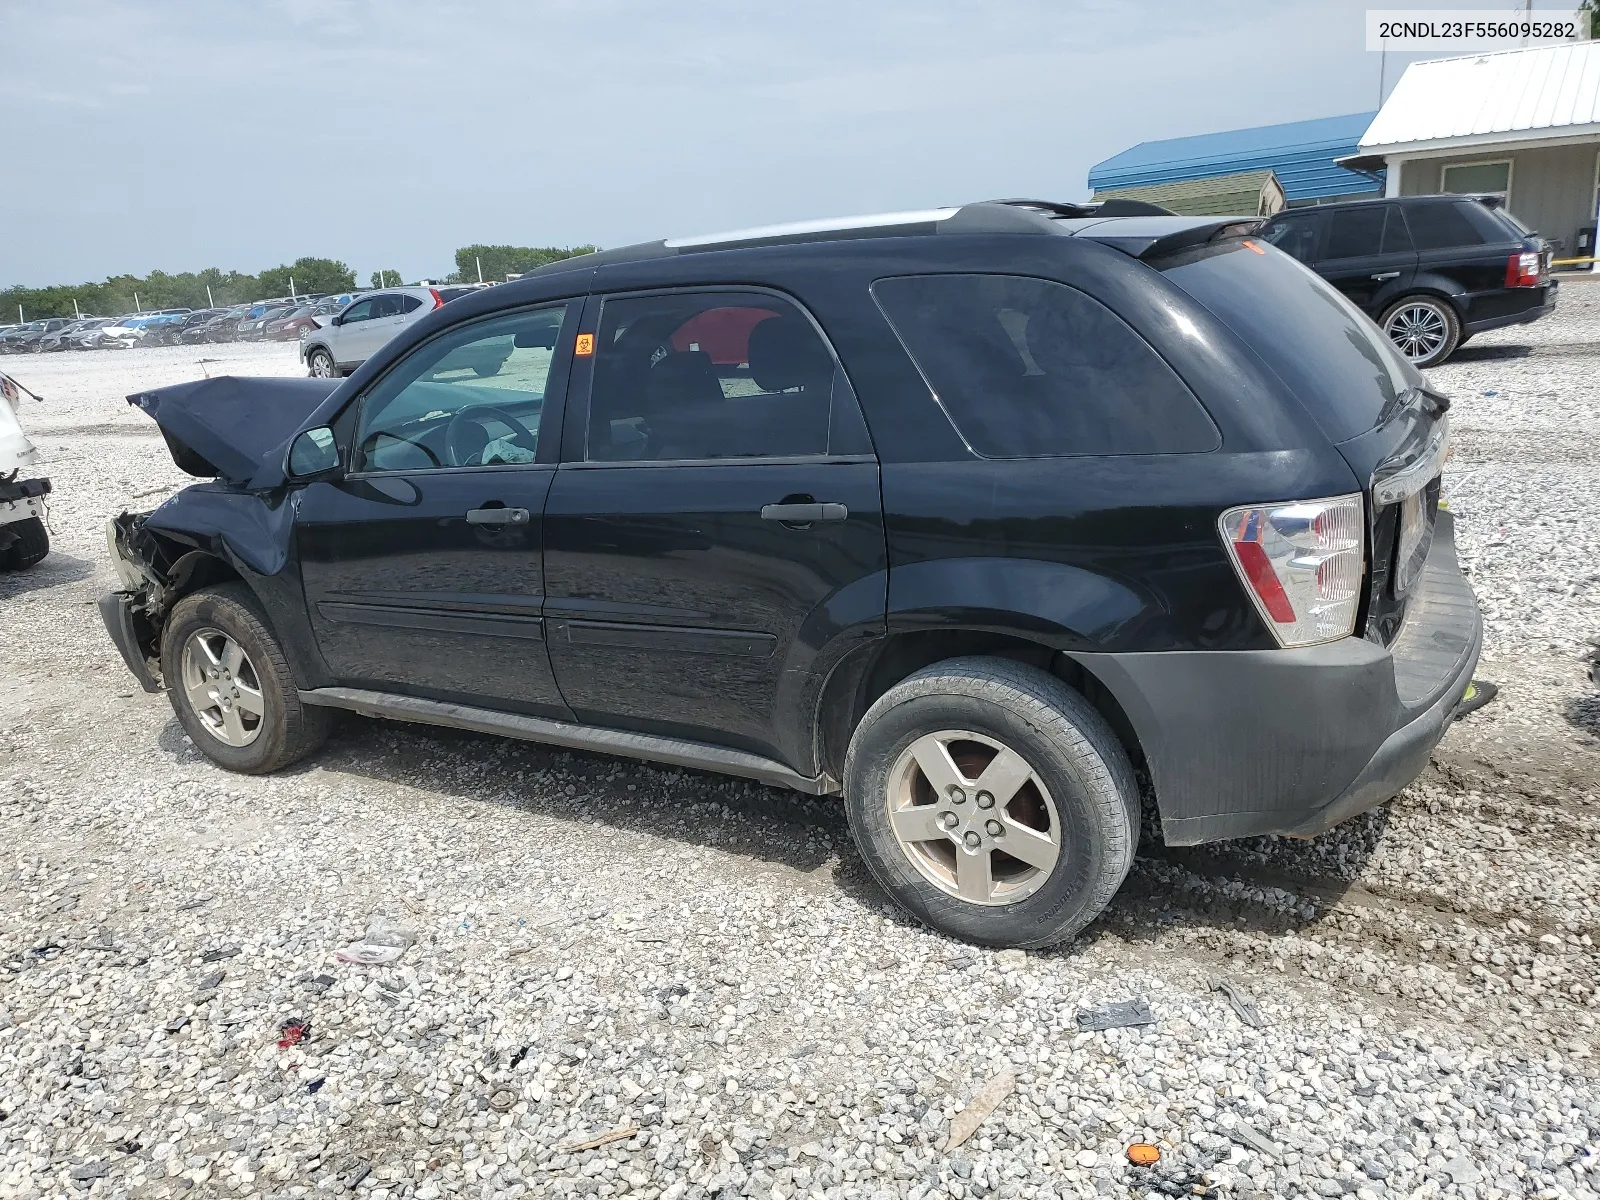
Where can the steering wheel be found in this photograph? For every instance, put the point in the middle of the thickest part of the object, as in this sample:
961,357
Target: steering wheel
458,455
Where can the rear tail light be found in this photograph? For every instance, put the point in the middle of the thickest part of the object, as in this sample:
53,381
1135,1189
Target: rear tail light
1524,270
1302,564
438,300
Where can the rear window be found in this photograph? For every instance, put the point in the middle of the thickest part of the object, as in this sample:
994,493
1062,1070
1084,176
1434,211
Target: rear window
1028,368
1444,226
1324,348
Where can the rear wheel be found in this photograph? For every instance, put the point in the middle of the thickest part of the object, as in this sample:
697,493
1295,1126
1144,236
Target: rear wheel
321,364
993,802
31,543
1423,328
230,684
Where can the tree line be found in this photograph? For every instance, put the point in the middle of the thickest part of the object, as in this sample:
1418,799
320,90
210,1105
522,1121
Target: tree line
188,289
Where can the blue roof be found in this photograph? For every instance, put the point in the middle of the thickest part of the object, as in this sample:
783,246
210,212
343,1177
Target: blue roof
1300,154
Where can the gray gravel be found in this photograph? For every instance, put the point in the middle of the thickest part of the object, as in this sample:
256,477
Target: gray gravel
702,968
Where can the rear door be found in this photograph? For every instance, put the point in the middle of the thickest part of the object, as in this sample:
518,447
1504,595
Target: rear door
1367,254
422,566
715,522
388,315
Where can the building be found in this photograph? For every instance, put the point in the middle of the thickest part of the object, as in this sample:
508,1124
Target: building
1300,156
1521,124
1257,192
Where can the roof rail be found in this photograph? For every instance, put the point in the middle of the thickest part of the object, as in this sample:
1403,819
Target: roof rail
1114,207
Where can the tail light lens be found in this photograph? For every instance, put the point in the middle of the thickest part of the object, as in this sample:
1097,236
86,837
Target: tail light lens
1302,564
438,300
1524,270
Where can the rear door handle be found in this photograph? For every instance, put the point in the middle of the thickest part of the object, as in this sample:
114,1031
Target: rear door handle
497,516
804,514
1382,275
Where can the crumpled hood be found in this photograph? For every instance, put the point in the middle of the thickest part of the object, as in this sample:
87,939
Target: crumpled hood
228,427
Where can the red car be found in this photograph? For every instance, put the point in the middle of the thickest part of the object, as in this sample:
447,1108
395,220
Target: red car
287,328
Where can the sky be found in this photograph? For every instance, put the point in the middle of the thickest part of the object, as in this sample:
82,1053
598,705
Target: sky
182,134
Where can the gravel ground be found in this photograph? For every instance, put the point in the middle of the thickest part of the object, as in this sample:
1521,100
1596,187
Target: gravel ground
635,981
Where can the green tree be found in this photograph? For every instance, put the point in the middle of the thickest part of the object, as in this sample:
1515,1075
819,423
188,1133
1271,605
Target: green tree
388,277
309,275
498,261
1589,12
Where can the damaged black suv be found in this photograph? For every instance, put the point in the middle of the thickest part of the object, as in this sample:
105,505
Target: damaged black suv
973,515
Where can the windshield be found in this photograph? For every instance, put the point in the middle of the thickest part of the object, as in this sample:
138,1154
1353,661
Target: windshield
1329,353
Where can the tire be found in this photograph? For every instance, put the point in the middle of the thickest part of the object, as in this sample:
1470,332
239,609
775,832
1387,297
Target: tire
1423,328
283,731
321,365
31,545
1078,792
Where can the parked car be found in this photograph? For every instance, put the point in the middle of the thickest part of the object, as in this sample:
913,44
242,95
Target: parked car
290,325
252,328
170,331
66,337
24,537
351,336
25,338
1431,270
964,514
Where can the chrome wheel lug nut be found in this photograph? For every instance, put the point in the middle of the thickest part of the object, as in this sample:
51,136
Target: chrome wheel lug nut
985,800
949,820
972,840
995,828
957,796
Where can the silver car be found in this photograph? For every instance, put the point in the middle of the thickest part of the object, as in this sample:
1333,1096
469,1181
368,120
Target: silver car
371,319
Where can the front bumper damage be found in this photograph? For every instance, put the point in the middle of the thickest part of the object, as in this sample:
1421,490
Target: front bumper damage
134,613
20,500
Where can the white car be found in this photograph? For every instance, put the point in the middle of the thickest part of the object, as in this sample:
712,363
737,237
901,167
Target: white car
352,336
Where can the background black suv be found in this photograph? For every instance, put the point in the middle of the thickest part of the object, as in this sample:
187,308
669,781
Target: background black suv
968,514
1431,270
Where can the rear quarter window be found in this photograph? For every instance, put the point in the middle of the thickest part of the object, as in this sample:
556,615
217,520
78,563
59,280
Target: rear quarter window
1330,355
1445,226
1030,368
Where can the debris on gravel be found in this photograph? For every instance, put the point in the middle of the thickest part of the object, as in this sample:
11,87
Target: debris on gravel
636,981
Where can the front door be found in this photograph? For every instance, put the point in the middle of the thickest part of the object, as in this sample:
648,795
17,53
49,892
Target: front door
1368,255
718,526
422,566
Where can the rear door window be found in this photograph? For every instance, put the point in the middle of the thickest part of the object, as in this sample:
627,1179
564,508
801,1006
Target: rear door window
1030,368
1356,232
1441,226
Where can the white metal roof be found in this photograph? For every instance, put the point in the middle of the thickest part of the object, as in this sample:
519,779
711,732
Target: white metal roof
1483,99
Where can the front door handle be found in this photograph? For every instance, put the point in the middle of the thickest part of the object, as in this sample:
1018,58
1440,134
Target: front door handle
803,514
1382,275
497,516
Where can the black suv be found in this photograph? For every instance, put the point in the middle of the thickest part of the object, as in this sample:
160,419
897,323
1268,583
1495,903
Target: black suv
971,514
1430,270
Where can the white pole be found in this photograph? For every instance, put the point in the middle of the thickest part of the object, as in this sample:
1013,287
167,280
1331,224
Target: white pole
291,287
21,320
136,305
76,311
210,303
479,261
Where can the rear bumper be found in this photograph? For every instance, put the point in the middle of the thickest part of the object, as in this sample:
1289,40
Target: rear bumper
1542,307
1244,743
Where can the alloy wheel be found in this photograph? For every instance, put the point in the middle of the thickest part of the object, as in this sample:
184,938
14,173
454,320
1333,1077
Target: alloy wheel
1417,330
222,687
973,817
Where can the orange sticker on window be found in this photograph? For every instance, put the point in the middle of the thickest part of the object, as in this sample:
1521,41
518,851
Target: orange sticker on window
585,345
1249,245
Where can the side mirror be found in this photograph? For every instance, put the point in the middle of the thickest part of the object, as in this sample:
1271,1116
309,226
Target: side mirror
313,454
338,319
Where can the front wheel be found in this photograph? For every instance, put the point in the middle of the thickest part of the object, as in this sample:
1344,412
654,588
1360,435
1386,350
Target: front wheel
993,802
321,364
230,684
1423,328
30,545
